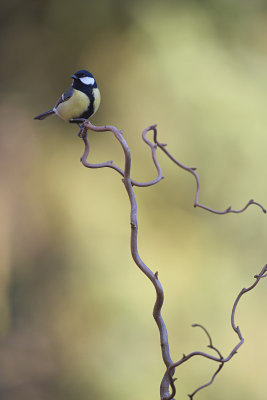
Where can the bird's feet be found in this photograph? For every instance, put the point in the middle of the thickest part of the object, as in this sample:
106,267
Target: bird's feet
77,120
83,132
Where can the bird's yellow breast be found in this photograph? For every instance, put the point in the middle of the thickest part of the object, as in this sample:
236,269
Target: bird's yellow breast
96,94
73,107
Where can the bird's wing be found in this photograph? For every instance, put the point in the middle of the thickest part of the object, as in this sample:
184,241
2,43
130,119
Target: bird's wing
65,96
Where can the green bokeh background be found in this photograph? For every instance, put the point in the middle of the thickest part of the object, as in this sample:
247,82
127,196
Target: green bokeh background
75,312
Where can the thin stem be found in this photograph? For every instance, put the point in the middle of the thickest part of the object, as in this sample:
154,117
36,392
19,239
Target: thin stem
211,346
110,164
192,170
164,387
219,359
168,380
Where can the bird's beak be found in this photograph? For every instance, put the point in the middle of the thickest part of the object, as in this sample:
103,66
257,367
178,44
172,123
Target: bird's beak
74,77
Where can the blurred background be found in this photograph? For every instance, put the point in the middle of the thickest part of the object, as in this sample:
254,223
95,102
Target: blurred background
75,312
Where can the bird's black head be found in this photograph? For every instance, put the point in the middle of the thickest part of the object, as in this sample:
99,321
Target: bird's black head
83,79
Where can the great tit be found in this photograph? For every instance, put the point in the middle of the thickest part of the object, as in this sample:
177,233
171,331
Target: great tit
80,101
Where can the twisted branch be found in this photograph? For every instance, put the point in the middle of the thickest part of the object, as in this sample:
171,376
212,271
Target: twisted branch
128,183
168,380
218,369
192,171
110,164
154,147
220,359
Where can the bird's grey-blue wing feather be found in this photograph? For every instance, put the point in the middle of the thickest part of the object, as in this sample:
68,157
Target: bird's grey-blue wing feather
65,96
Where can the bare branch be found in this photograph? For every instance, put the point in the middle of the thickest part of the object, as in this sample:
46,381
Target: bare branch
219,359
168,380
128,183
110,164
218,369
209,337
191,396
192,170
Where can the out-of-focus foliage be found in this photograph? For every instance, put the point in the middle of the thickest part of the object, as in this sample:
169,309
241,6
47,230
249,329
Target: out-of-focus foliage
75,312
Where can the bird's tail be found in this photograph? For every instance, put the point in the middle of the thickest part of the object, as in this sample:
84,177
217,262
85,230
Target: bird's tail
44,115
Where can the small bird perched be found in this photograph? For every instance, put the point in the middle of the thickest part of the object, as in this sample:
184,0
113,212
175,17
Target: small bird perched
80,101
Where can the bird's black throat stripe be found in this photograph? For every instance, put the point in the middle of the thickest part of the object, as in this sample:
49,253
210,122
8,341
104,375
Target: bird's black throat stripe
87,114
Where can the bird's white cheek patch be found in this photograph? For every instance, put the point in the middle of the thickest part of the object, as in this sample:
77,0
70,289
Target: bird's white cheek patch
87,80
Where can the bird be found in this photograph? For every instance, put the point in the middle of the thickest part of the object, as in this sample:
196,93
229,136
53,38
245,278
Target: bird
79,102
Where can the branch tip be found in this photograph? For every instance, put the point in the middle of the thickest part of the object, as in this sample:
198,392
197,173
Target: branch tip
192,171
219,358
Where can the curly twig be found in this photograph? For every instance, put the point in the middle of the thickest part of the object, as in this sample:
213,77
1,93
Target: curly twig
218,369
193,172
128,183
162,146
220,359
168,380
110,164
